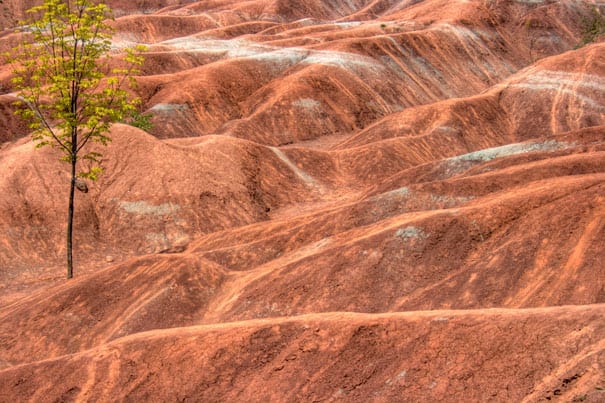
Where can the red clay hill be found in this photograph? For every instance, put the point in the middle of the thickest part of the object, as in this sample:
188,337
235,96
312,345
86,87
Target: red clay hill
339,201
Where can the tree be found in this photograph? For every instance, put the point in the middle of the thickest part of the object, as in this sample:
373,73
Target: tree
69,92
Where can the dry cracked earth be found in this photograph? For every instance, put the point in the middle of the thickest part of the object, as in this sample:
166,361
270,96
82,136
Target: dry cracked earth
348,200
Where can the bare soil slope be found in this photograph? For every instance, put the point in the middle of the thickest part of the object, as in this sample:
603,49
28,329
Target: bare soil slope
360,201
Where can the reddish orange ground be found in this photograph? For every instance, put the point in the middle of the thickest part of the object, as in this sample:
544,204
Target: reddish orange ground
359,201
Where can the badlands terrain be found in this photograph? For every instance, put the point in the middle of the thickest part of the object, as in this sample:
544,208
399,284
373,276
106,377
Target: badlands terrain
339,200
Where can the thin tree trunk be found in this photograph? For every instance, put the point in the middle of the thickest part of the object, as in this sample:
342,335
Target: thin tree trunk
70,216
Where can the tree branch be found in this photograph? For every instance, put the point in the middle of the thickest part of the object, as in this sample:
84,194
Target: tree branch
42,119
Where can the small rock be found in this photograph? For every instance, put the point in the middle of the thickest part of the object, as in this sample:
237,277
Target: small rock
81,185
109,259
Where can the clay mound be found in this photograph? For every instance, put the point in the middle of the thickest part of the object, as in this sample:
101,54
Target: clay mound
447,258
372,69
13,11
532,159
558,94
151,292
145,190
547,99
443,355
157,27
537,29
567,93
401,66
486,171
456,240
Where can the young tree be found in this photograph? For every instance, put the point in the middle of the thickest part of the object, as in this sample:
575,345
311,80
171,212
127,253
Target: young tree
68,91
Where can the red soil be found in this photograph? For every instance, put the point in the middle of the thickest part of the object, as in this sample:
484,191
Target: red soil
360,201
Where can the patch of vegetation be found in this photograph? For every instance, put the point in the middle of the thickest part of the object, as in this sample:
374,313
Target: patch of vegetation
594,26
531,23
140,120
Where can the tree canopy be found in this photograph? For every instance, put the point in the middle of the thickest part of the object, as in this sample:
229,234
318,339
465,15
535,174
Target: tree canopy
65,80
